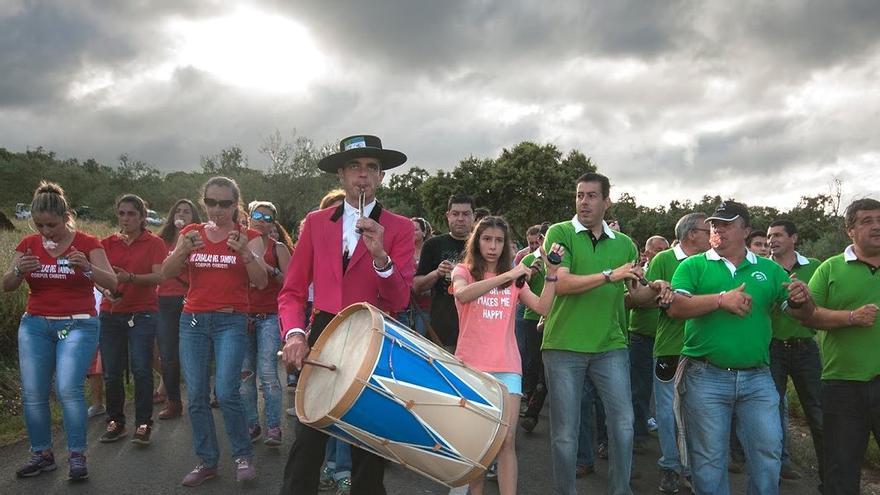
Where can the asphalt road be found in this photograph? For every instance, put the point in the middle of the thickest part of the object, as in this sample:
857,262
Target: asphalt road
126,468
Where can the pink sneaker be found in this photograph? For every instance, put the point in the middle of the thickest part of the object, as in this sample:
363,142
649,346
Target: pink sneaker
199,475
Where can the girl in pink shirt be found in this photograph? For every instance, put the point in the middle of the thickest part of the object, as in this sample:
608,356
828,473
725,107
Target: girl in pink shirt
486,304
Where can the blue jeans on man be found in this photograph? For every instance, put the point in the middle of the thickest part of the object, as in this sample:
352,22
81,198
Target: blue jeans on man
127,336
666,428
261,360
219,337
710,395
42,355
609,371
641,352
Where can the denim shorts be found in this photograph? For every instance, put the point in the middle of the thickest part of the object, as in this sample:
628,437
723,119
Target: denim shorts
512,381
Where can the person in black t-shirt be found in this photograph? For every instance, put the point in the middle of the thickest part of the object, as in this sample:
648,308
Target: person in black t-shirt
439,256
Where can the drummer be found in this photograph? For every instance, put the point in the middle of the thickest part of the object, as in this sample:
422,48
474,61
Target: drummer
351,255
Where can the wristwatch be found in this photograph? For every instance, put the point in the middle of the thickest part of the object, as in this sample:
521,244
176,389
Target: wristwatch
607,274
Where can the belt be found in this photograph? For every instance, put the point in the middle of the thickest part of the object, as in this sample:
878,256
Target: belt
703,359
80,316
789,343
261,316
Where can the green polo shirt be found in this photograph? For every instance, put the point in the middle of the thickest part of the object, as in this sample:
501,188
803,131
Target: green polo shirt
643,321
786,326
843,282
725,339
670,331
590,321
536,285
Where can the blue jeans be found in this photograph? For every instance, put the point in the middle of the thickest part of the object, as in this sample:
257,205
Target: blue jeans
41,354
221,336
119,341
337,456
710,396
585,436
168,338
851,413
262,359
609,371
666,430
412,319
641,352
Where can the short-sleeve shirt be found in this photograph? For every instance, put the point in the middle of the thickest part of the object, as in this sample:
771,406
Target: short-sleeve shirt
844,282
723,338
444,319
486,339
57,288
670,331
591,321
137,258
174,286
536,285
786,326
266,300
218,277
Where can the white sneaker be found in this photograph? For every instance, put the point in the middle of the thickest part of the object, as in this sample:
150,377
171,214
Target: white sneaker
97,410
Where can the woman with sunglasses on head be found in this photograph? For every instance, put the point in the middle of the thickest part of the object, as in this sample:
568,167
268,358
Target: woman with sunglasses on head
219,258
171,292
58,333
264,340
128,318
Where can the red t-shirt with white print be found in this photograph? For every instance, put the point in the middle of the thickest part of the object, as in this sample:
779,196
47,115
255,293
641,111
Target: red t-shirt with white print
218,277
59,289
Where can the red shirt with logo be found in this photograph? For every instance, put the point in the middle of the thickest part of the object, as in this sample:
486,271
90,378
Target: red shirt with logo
137,258
174,286
218,277
58,289
266,300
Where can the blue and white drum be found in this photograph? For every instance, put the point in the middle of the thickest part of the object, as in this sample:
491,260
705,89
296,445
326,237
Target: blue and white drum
396,394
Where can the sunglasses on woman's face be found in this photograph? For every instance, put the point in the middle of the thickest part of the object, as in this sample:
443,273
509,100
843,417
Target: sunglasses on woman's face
222,203
262,216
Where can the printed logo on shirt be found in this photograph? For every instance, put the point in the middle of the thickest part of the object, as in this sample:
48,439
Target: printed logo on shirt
205,260
59,270
495,299
759,276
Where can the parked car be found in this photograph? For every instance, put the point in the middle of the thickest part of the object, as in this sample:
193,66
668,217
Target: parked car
83,212
22,212
153,218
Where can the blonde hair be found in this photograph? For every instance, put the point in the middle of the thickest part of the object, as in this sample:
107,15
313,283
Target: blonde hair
49,198
331,197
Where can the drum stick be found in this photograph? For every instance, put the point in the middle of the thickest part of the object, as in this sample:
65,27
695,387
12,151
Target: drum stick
326,366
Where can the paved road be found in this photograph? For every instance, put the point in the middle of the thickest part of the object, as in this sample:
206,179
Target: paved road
125,468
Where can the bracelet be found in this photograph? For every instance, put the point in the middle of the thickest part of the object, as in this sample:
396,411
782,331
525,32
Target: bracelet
296,331
380,269
88,273
551,278
131,278
852,319
720,295
16,270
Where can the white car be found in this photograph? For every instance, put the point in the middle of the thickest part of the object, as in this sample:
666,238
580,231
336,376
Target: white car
22,212
153,218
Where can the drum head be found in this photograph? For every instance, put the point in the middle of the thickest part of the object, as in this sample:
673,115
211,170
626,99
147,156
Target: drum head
350,343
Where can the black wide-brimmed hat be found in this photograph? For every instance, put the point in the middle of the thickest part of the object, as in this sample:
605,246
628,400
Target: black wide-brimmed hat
362,146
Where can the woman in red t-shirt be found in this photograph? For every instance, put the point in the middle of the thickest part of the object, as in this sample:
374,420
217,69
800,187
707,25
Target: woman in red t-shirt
128,318
219,258
263,332
58,333
486,296
171,292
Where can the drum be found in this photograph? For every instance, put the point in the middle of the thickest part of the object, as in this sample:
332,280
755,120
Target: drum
396,394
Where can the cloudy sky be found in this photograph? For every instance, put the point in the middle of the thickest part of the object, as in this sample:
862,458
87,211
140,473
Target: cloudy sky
762,101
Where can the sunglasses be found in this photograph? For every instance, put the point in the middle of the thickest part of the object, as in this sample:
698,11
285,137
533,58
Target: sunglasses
222,203
262,216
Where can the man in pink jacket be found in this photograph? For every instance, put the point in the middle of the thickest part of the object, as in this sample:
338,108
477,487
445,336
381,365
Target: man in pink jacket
350,259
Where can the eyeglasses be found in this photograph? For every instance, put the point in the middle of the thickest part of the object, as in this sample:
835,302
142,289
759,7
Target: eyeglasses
702,230
222,203
256,215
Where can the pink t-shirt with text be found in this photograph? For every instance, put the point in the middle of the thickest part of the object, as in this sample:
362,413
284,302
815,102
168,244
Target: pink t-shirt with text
486,336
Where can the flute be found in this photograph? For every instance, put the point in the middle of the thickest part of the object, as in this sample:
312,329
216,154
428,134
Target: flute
362,198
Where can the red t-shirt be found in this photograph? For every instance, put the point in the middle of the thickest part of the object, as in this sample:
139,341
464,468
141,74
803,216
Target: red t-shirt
137,258
174,286
218,277
58,289
266,300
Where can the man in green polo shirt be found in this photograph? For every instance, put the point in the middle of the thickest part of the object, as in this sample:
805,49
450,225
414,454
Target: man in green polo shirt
793,349
846,289
693,234
729,295
584,333
642,328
